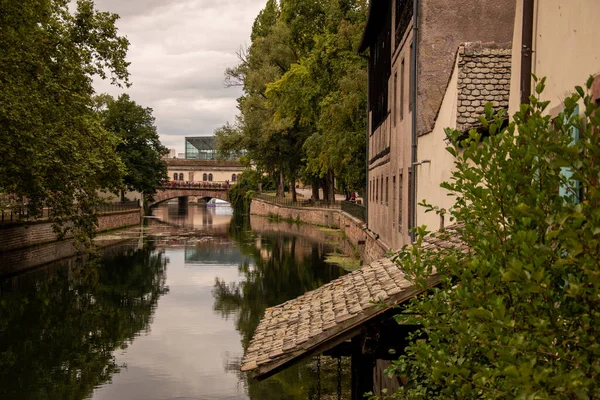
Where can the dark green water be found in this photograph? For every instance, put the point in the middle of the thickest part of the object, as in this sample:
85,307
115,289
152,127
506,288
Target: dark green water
164,315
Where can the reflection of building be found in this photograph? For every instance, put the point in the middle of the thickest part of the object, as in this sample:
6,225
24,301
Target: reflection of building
214,253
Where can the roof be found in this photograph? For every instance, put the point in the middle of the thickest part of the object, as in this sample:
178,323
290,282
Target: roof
378,11
320,319
483,76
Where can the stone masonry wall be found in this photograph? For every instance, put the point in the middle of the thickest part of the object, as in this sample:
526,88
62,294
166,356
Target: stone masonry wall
34,233
369,248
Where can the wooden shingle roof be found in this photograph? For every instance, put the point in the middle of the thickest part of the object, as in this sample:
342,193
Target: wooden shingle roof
320,319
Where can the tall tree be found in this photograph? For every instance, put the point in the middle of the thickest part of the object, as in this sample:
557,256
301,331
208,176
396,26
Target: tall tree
54,149
140,148
303,109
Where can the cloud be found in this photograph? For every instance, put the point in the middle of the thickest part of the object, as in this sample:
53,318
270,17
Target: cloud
179,50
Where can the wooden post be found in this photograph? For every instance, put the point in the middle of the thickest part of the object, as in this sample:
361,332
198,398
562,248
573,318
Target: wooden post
362,369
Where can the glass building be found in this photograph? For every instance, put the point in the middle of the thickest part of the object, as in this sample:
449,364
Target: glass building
201,148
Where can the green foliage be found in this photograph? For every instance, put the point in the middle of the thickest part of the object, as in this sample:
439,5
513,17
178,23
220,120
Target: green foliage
303,109
279,268
59,329
240,195
139,148
55,151
519,315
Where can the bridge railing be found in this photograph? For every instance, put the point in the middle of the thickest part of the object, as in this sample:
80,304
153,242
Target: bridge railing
198,185
301,202
23,213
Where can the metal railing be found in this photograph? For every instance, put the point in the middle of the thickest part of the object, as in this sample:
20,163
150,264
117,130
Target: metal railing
356,210
20,214
301,202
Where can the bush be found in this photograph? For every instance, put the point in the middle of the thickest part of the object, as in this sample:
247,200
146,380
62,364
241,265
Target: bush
240,195
519,315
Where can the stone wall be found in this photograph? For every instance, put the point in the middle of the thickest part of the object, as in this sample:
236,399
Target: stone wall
368,246
22,259
41,232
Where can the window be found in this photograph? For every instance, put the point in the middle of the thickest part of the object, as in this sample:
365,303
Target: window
204,177
393,199
411,77
402,89
181,176
381,190
376,190
410,204
400,196
572,190
387,190
380,61
175,176
210,177
233,177
404,12
395,97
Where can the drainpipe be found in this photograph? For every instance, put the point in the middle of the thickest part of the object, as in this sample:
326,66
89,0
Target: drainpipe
526,50
413,183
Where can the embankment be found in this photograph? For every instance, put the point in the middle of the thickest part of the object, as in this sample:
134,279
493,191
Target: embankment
18,236
368,246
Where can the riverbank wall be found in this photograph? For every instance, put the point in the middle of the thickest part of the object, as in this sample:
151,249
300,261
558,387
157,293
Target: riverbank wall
369,247
18,236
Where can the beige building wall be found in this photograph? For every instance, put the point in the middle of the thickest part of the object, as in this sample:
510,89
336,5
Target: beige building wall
435,163
565,47
219,175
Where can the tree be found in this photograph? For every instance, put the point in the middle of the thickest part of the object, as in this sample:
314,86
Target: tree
519,315
140,148
55,152
302,109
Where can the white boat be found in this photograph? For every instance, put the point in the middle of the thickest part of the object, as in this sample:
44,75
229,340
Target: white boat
214,202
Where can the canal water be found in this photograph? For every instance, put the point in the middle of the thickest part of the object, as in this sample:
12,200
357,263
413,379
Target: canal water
164,314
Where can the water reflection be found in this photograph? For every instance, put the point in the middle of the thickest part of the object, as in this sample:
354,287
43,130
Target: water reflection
57,335
124,328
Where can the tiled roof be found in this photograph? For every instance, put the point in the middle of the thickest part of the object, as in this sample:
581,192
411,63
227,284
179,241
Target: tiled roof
322,318
483,77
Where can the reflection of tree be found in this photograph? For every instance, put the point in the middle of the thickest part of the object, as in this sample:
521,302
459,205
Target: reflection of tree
57,336
284,267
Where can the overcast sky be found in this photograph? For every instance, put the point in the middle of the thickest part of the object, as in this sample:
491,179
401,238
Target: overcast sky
179,50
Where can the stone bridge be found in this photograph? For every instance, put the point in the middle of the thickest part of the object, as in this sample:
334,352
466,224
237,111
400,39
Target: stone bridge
178,192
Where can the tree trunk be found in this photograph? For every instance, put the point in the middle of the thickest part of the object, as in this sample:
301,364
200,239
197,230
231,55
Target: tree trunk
122,195
331,186
280,184
293,190
315,191
325,185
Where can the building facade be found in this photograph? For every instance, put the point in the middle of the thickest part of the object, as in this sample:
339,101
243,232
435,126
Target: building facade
462,56
194,171
413,47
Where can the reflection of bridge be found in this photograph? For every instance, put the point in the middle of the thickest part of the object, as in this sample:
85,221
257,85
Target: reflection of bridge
175,192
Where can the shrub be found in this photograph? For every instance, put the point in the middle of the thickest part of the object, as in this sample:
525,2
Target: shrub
519,315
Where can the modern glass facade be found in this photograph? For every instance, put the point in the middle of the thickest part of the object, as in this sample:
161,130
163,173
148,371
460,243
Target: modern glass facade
200,148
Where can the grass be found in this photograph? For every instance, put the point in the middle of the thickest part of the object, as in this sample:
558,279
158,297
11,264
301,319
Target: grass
348,263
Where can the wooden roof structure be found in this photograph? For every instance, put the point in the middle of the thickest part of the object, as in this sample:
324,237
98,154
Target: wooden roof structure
321,319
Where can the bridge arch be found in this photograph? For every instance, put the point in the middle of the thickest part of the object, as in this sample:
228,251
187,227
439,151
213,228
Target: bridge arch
172,193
